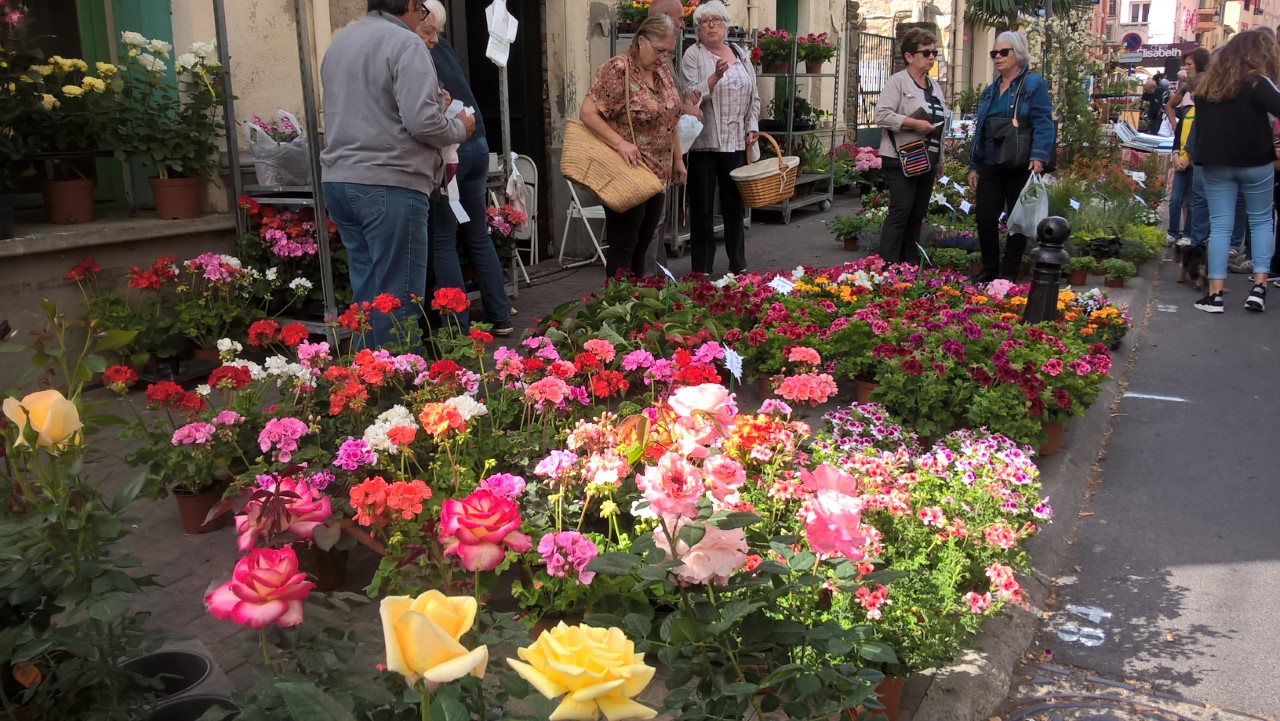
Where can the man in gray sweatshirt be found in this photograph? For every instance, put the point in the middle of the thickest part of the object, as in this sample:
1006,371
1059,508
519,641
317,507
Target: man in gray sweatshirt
384,128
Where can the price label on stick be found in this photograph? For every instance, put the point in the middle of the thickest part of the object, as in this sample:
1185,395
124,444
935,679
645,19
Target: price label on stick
965,206
1075,204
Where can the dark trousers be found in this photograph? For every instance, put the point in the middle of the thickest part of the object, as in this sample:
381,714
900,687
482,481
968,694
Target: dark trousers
998,191
707,170
908,204
630,234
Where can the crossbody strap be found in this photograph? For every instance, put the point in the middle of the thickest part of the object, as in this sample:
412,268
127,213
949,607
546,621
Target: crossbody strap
1017,98
628,106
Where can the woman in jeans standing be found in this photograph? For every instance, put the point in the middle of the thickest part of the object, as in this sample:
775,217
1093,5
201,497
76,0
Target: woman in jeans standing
1234,151
635,90
910,109
998,188
723,76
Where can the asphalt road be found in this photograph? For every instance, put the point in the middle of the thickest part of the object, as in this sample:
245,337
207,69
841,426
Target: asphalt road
1177,570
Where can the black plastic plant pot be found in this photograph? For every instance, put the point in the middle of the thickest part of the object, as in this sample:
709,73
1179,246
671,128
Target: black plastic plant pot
170,672
190,708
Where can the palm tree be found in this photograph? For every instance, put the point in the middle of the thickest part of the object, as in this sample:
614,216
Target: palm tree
1006,13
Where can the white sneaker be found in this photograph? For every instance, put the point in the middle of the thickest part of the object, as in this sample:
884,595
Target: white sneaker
1183,242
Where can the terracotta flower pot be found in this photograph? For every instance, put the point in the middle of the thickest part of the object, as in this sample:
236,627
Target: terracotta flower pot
851,244
764,385
68,202
975,267
176,198
1055,431
813,67
1114,282
862,390
195,507
781,67
889,694
328,568
1078,277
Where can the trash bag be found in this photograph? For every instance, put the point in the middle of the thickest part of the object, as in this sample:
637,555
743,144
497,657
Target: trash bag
689,129
279,163
1031,208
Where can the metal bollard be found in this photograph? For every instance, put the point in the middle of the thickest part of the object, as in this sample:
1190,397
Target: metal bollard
1047,262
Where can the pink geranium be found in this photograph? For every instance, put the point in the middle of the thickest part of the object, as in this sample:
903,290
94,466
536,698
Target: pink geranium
977,603
265,588
505,485
813,388
568,550
480,528
601,349
673,487
548,390
194,434
292,507
718,555
801,354
283,435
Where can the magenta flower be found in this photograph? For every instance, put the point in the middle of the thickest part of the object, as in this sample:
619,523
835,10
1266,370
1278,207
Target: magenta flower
283,435
568,550
505,485
265,588
194,434
354,453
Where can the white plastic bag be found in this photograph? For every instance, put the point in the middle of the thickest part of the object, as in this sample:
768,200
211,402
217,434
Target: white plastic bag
689,129
279,163
518,195
1031,208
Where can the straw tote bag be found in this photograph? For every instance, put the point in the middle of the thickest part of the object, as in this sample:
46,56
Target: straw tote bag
589,161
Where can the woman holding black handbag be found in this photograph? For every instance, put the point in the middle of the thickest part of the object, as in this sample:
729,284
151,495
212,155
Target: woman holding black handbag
1013,138
911,111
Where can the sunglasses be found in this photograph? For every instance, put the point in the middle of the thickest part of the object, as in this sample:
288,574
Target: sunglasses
928,53
1002,52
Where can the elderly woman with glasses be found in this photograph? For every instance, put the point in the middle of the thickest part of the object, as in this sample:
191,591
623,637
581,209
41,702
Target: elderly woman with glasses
724,77
633,105
1021,97
911,111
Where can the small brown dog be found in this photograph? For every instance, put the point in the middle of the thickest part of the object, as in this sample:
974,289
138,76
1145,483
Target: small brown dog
1195,264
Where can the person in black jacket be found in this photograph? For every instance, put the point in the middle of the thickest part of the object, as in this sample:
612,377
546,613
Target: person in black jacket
1233,149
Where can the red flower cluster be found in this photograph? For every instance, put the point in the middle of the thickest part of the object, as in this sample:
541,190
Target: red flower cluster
263,332
370,368
153,278
607,382
230,377
449,300
84,270
170,395
119,378
372,498
348,393
293,334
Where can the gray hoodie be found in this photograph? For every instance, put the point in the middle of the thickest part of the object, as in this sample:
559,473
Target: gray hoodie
383,114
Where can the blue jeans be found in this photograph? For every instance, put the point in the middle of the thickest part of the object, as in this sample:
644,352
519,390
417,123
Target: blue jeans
1241,227
1198,216
473,172
1222,185
384,229
1179,198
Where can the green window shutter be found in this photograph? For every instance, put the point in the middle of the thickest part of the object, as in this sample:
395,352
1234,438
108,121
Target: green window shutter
789,15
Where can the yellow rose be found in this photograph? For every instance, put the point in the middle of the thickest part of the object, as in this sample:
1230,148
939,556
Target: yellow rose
72,91
93,84
48,101
42,70
55,420
422,635
597,667
106,70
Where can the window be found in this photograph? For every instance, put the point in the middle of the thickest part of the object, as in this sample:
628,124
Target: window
1139,12
1113,9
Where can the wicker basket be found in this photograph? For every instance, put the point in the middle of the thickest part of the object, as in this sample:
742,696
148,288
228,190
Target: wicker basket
766,182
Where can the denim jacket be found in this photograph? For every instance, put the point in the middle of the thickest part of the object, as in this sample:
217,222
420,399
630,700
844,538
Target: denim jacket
1033,107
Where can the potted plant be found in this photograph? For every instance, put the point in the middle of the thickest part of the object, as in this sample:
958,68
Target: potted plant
630,13
975,262
851,230
952,259
503,221
814,50
66,127
17,100
1117,271
773,51
1078,267
176,127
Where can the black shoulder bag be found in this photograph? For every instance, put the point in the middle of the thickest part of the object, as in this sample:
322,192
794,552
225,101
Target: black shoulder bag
1013,141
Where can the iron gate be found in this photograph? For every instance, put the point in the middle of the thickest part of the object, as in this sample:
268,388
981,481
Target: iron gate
870,65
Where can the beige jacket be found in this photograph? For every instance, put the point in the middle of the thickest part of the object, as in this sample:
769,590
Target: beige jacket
696,68
899,98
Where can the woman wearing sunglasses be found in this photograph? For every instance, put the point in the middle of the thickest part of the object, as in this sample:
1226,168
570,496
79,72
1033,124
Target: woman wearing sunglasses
1021,97
911,112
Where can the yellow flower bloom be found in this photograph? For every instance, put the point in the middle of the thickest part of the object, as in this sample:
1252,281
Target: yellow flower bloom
93,84
49,102
596,669
106,70
422,637
72,91
55,420
42,70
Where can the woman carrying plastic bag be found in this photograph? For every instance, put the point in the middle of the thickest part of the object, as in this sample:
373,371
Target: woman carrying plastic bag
1031,208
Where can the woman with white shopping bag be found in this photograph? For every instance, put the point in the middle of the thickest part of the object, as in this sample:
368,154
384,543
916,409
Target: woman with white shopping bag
1013,138
722,73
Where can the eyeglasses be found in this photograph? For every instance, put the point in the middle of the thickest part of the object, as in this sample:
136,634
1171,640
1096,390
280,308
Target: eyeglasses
662,52
711,21
421,7
1002,52
929,53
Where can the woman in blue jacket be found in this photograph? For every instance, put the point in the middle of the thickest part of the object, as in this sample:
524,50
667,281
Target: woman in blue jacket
998,187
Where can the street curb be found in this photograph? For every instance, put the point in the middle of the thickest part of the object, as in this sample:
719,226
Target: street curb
972,687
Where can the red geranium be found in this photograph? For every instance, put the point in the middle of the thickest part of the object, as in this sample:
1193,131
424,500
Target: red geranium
451,300
263,332
293,334
479,336
119,378
84,270
232,377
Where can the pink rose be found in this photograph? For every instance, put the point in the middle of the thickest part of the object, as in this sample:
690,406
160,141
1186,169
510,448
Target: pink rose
831,478
718,555
704,413
672,487
724,477
265,588
832,525
480,528
272,512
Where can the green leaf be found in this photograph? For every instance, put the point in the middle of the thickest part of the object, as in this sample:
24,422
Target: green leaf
95,363
326,536
449,709
877,652
741,688
307,702
803,561
727,521
107,608
126,495
614,563
115,339
691,533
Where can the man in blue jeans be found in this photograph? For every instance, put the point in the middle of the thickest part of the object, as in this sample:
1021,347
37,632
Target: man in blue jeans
473,181
384,127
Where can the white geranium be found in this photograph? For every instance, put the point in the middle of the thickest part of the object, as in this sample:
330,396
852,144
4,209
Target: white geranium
132,39
300,285
376,434
467,407
228,350
203,390
798,273
255,371
272,274
159,47
151,63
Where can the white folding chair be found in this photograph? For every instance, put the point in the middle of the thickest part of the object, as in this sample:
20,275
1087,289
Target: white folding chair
529,171
587,214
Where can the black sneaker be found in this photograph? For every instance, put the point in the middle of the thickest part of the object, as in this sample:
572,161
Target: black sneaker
1257,300
1211,303
503,329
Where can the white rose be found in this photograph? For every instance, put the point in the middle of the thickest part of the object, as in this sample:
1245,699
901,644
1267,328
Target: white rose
159,47
204,51
151,63
133,39
184,62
